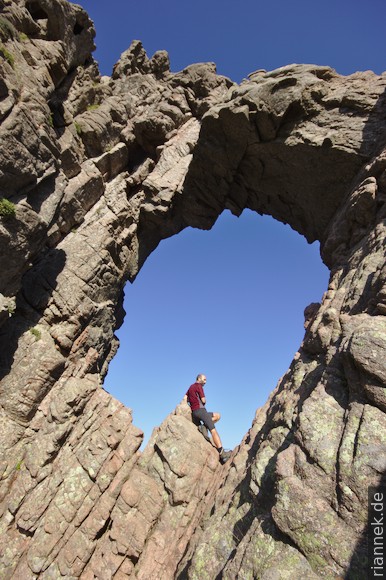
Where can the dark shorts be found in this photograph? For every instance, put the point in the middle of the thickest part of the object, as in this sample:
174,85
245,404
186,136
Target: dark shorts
205,416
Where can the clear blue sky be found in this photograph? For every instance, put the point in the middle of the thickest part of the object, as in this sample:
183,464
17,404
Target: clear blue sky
228,303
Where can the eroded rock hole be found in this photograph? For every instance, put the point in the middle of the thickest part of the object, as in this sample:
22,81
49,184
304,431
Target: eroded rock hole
78,28
3,90
36,11
229,303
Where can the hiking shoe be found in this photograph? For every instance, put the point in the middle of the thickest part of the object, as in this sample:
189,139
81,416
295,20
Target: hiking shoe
204,431
224,456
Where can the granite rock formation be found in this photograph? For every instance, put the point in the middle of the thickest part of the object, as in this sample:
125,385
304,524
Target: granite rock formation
94,173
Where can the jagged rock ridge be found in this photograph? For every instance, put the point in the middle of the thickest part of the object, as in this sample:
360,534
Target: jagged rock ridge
98,170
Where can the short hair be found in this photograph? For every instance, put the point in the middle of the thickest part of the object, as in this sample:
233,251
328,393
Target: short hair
200,377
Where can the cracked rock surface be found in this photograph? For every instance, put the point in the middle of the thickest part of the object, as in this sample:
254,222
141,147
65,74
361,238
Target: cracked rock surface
98,170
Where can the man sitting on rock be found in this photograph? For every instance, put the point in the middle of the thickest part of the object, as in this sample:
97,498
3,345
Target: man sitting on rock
202,418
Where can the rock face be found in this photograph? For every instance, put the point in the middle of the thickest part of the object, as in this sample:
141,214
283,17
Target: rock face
94,173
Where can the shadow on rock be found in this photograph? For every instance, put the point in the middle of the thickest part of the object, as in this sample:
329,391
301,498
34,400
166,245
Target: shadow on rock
365,558
38,285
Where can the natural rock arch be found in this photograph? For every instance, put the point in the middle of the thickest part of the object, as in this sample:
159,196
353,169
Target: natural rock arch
100,170
229,300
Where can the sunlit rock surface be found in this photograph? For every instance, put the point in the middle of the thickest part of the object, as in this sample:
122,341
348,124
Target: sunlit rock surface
100,170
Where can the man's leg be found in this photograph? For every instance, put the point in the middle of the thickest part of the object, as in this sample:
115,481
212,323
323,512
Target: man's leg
204,431
195,420
209,419
224,455
198,418
212,419
216,417
216,438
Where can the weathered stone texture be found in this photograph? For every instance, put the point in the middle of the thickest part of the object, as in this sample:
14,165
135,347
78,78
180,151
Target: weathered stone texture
101,170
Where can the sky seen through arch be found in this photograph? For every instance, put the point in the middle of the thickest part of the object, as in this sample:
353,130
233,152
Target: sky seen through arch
228,303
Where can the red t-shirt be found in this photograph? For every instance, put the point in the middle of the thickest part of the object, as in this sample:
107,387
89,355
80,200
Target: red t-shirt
195,393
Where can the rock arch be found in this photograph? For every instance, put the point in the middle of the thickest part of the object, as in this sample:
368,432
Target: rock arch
134,159
230,299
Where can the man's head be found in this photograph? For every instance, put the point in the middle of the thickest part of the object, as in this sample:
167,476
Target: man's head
201,379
